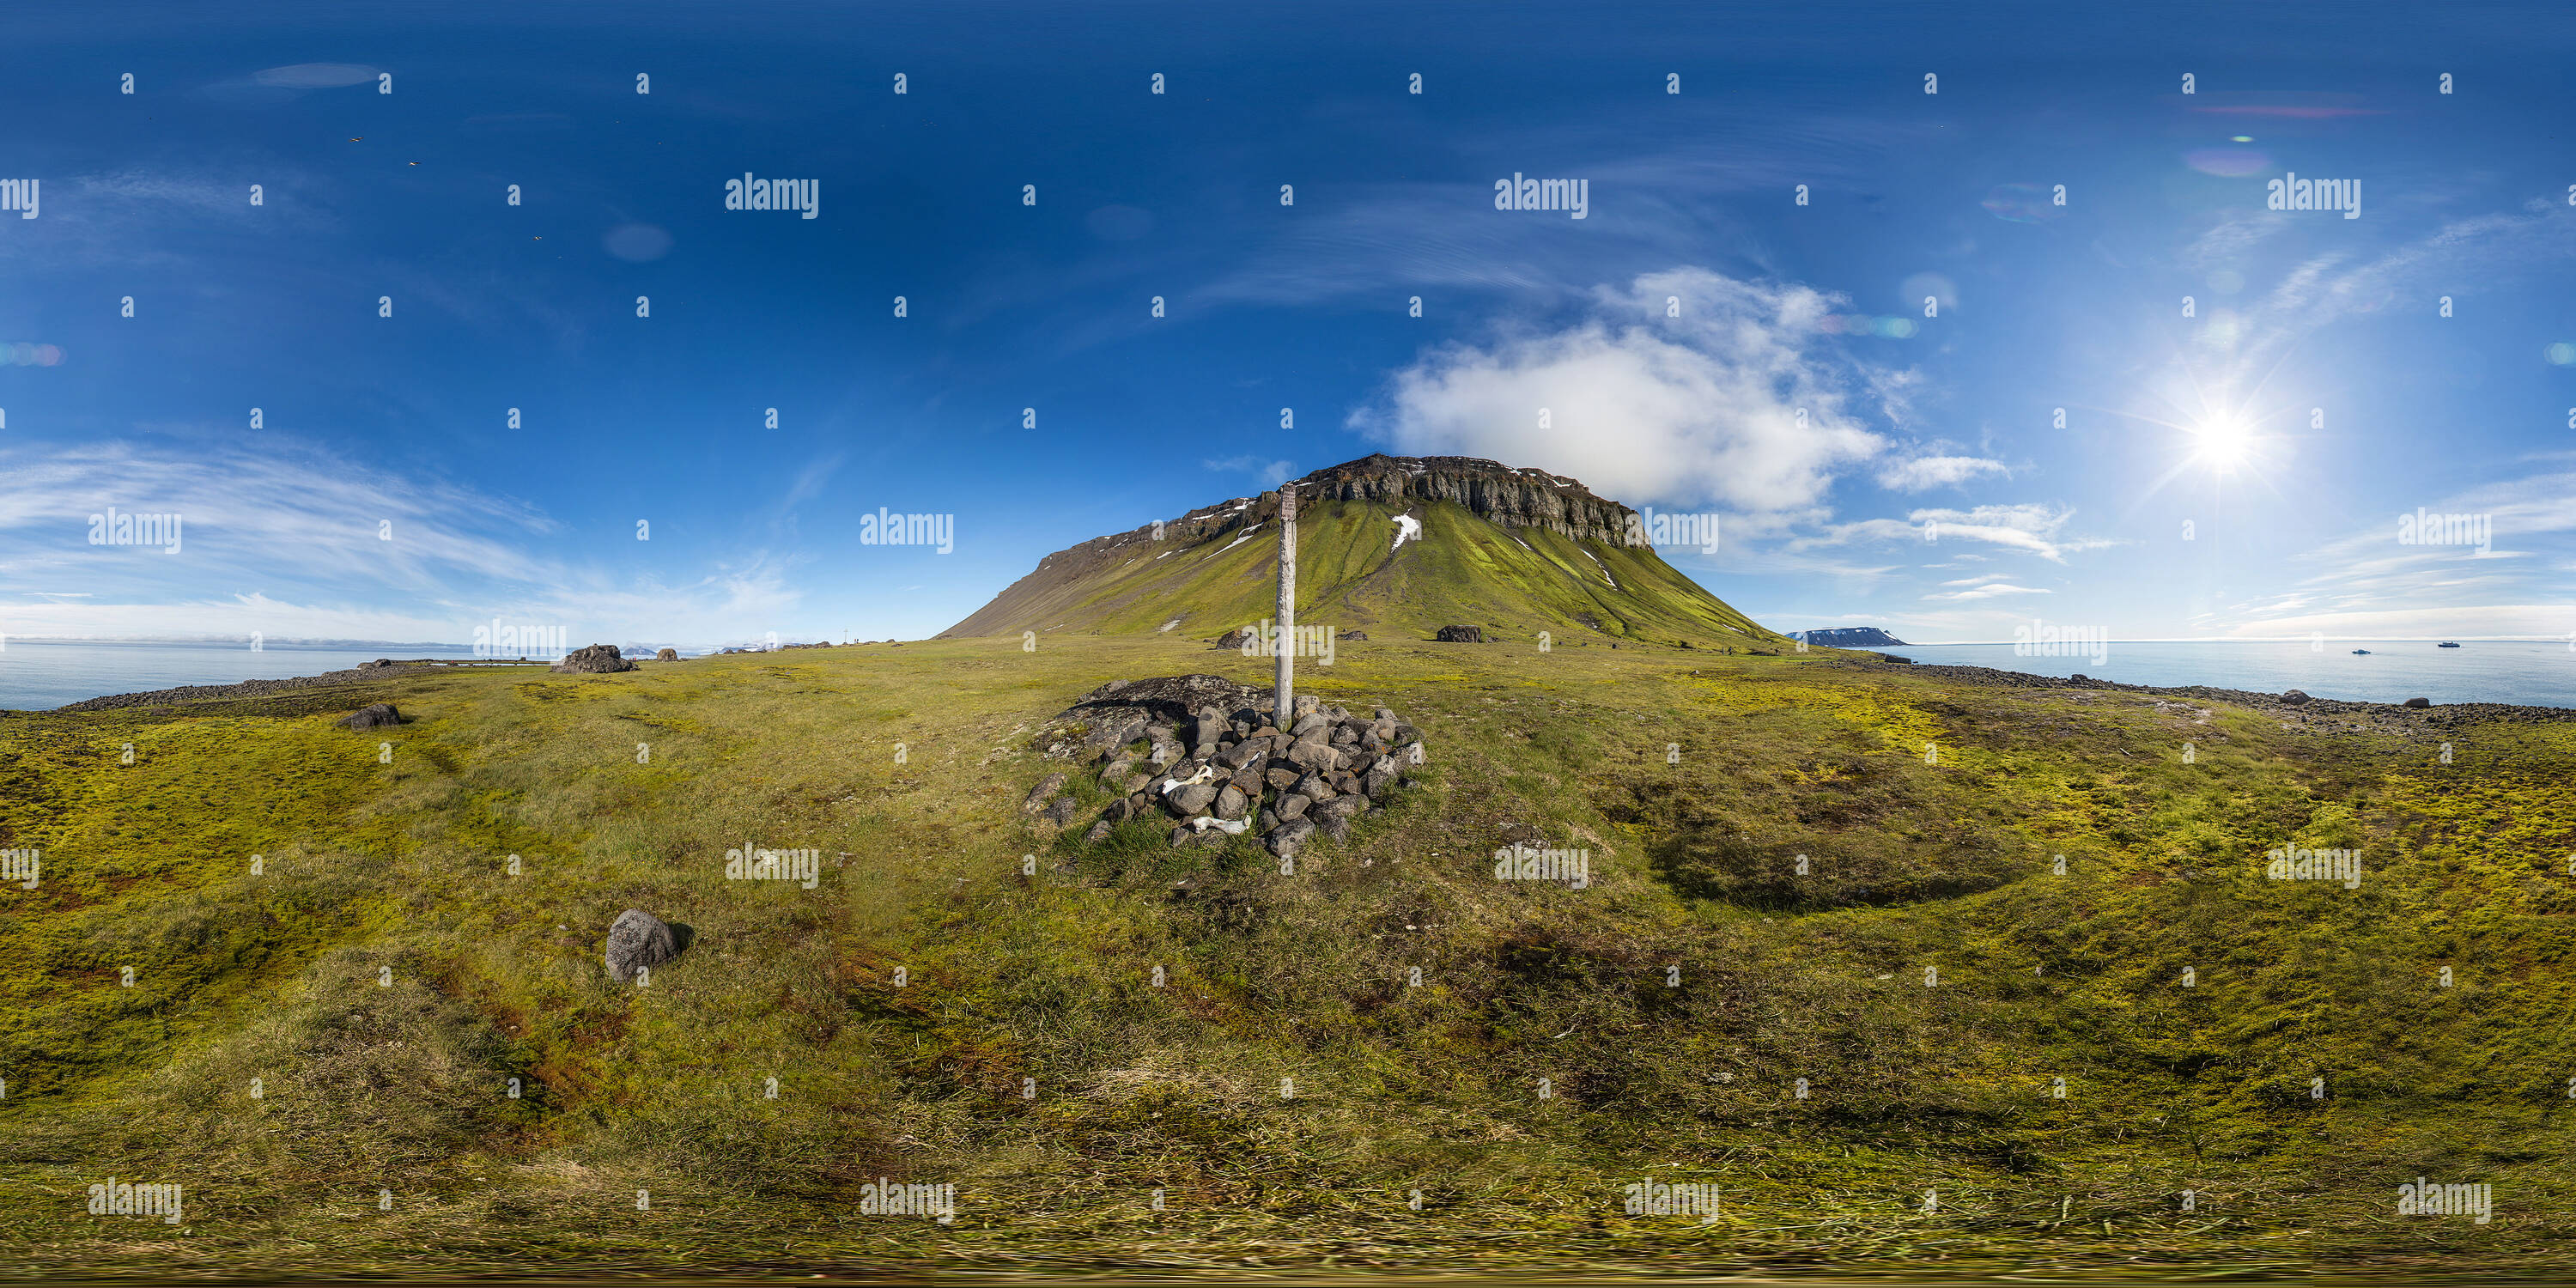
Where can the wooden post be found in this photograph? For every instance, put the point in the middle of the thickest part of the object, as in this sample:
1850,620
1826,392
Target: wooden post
1285,694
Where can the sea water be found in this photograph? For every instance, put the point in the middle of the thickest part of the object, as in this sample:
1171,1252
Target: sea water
38,675
2540,673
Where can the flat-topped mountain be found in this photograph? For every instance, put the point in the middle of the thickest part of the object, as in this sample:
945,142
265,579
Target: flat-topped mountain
1847,637
1399,544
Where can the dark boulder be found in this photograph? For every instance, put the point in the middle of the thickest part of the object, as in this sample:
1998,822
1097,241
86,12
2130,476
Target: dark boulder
638,939
2419,703
371,716
598,659
667,655
1460,635
2294,698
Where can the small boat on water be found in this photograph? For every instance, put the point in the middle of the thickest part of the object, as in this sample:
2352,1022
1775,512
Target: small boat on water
2360,652
2448,644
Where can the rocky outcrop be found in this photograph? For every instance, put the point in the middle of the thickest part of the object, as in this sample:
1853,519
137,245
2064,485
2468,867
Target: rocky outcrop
667,655
1515,498
598,659
1461,635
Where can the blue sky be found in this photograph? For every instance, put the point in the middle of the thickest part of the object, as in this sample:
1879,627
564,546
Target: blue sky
2313,396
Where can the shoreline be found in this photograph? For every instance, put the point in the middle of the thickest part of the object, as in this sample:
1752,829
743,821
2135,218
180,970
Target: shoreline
2443,714
2438,715
238,689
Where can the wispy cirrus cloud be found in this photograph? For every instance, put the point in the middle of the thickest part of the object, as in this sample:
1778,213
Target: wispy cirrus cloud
302,542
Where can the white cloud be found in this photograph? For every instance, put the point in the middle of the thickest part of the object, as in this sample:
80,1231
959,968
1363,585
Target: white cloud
1702,408
1272,473
1991,590
2030,528
1923,473
286,543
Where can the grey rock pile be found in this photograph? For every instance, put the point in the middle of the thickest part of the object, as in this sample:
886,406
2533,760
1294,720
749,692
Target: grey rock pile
1218,768
638,939
598,659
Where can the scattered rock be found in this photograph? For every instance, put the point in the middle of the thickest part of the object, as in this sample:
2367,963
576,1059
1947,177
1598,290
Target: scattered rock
1039,795
373,715
2419,703
667,655
638,939
1061,810
1353,635
1285,839
1234,639
1460,635
598,659
1099,831
2294,697
1194,799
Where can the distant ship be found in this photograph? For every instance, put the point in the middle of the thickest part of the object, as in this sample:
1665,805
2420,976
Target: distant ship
2360,652
2448,644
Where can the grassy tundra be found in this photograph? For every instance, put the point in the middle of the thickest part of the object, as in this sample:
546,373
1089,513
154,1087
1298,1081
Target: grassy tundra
1931,976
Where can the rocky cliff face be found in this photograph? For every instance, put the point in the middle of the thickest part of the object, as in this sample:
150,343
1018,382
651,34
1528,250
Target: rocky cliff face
1514,498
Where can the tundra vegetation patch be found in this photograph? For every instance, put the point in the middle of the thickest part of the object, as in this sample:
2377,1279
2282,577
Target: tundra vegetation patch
2035,998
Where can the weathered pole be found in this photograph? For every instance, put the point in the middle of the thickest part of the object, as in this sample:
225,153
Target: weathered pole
1285,642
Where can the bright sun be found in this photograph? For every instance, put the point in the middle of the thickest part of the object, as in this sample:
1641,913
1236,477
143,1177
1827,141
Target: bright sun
2222,440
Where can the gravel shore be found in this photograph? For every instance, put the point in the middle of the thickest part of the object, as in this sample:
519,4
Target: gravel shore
2321,714
245,689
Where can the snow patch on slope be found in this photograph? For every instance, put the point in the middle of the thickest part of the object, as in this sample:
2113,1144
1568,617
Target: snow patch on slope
1405,526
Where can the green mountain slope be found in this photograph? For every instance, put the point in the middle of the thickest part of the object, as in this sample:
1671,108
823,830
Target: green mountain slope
1513,551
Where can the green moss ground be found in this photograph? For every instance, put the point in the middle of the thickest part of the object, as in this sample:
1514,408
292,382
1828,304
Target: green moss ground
375,872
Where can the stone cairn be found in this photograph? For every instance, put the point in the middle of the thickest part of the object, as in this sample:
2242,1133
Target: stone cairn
1227,767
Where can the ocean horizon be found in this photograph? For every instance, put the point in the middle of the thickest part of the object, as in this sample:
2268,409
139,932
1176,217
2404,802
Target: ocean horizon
2517,672
40,675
